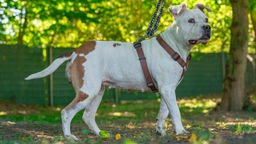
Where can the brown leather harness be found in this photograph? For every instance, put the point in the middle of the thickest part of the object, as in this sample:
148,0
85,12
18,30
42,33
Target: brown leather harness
174,55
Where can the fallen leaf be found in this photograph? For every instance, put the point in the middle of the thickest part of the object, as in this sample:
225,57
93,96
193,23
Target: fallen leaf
193,138
118,136
104,134
24,138
181,136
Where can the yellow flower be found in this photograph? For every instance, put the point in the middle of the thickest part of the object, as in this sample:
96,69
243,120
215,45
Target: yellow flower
193,138
118,136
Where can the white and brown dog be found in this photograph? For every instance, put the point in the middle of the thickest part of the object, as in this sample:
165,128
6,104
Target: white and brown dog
97,64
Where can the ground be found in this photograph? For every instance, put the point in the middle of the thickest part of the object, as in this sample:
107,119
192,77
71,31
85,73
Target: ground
133,121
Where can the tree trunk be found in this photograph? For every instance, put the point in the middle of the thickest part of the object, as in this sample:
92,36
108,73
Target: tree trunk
253,18
23,26
234,82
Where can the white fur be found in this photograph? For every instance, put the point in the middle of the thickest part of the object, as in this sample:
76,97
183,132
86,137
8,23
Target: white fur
115,64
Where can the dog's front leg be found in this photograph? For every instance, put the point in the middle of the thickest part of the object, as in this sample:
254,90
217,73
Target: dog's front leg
169,97
161,117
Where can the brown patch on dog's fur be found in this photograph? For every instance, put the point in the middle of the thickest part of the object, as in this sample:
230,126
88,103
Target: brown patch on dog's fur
77,71
83,49
86,48
116,44
81,96
68,54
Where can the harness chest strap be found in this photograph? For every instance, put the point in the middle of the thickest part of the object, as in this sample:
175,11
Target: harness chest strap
144,67
175,56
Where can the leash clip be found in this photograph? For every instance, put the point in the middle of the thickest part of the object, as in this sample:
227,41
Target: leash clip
136,45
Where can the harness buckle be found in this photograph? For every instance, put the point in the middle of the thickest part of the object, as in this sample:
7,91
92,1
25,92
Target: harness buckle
175,56
142,58
149,84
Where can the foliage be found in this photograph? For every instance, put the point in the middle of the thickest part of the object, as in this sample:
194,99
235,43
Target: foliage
69,23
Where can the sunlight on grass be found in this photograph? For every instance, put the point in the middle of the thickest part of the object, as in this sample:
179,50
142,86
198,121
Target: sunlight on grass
7,123
58,109
123,114
199,104
239,127
3,113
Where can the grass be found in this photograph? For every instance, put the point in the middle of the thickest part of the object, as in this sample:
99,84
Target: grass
241,128
133,122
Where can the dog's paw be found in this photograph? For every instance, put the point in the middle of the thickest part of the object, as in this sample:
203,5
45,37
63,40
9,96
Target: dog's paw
71,137
182,132
160,132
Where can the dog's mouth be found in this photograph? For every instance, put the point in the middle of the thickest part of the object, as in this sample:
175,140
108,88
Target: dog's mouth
204,39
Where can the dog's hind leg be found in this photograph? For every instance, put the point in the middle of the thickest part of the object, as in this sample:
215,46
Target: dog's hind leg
68,113
90,113
80,102
161,117
83,98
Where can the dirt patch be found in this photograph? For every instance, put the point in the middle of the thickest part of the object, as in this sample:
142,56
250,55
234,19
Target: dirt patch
142,133
135,122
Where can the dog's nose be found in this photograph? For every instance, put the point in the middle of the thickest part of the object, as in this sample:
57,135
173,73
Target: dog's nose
206,28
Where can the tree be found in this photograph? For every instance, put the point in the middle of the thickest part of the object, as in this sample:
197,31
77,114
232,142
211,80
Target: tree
70,23
234,82
253,18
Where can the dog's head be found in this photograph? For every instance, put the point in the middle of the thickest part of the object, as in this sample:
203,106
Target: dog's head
192,24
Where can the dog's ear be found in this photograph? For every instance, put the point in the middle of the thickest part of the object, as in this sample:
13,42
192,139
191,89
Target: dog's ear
177,10
202,7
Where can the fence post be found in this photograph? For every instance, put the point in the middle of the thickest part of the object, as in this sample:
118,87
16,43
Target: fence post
50,79
116,95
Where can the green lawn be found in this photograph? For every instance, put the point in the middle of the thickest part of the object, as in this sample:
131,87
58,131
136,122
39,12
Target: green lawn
131,122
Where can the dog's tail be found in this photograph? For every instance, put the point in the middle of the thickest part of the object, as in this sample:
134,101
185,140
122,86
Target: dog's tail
52,67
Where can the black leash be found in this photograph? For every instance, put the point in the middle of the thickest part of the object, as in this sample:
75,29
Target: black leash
153,25
137,45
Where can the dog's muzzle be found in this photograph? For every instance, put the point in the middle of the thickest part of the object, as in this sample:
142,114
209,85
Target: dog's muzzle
207,33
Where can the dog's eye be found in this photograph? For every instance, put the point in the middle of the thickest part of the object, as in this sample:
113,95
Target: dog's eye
206,20
191,20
